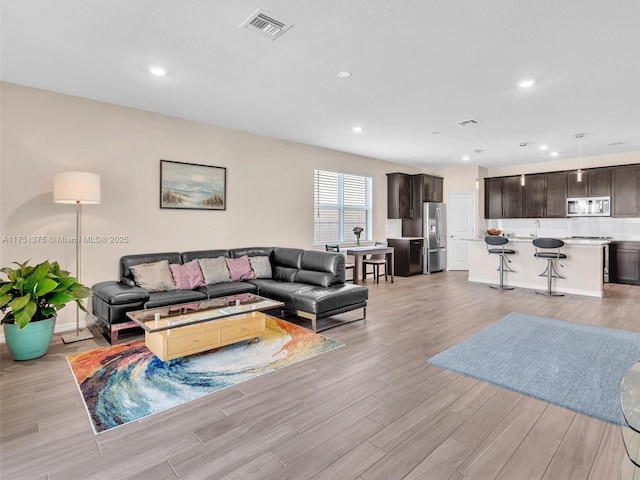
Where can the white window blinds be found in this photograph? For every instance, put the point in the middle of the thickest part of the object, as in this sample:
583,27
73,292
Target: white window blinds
341,202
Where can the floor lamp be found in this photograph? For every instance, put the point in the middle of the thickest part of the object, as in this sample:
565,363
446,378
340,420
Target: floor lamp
78,188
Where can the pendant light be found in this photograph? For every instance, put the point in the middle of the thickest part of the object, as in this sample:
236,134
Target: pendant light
579,172
477,151
522,181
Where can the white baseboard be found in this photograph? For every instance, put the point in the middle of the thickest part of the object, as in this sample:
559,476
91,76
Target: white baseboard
65,327
556,288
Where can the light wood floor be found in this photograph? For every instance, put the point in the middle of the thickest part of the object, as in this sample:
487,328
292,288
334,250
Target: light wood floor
372,410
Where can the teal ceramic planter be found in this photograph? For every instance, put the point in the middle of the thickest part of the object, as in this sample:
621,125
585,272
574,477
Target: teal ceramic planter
30,342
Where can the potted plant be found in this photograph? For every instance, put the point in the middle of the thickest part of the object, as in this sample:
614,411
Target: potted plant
29,299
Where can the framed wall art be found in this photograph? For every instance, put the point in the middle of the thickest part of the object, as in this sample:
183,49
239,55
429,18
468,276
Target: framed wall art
192,187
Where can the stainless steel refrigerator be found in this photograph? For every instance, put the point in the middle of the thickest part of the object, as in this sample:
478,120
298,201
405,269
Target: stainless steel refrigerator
434,222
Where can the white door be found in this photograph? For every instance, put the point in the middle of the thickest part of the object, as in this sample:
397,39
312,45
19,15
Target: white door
461,229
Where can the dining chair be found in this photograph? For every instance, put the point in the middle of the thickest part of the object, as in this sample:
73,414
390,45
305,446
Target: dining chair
376,260
347,265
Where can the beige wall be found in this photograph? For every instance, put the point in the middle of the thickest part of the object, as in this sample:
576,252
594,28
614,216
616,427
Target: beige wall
269,183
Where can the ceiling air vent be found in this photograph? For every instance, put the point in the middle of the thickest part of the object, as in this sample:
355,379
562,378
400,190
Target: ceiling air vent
466,123
266,26
612,144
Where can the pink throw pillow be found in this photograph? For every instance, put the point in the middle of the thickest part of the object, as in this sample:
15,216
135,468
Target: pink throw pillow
187,276
239,268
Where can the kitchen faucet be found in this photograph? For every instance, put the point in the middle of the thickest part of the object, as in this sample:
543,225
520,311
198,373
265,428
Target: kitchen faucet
536,224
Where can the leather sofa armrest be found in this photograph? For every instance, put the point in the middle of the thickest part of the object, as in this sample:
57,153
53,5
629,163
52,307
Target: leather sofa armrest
116,293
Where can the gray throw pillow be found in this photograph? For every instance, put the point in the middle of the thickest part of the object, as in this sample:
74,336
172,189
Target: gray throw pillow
153,277
261,267
214,270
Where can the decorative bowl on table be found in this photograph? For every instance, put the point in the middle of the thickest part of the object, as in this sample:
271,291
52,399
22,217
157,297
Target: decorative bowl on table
493,231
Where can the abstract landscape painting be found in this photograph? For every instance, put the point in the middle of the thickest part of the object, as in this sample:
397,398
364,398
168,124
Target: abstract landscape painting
191,186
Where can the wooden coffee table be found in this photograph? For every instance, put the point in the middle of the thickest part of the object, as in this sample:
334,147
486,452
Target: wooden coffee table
185,329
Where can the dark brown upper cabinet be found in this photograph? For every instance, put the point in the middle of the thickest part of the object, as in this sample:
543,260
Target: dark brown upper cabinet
534,196
596,182
433,188
493,197
600,182
556,198
398,195
621,183
511,197
576,188
625,190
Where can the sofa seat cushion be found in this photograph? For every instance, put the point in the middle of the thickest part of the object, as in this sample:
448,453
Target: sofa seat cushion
226,289
160,299
311,298
116,293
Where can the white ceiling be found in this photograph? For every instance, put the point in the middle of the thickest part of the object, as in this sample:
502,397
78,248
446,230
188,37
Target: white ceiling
417,67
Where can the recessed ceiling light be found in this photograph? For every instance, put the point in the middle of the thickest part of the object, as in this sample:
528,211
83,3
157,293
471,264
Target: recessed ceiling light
465,158
554,154
357,129
526,83
344,74
157,70
543,147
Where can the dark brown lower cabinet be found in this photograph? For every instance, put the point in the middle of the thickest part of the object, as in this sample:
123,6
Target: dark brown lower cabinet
624,262
408,255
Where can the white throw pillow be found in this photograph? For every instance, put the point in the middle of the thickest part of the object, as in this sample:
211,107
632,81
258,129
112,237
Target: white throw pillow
214,270
261,267
153,277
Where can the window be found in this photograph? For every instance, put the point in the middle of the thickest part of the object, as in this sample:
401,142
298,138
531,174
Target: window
341,202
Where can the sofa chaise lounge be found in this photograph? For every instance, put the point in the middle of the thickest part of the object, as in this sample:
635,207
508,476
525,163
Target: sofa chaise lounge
311,283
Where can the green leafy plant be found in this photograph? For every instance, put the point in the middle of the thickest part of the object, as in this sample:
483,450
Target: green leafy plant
36,293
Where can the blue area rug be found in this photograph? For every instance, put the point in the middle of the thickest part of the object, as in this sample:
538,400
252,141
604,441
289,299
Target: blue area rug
576,366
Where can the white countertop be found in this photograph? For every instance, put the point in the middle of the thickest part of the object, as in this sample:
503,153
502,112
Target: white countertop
567,241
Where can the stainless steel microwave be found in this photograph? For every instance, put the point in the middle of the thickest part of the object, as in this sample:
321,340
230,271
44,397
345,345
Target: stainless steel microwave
589,207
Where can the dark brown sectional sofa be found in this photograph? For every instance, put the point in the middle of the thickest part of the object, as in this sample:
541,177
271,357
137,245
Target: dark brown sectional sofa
309,282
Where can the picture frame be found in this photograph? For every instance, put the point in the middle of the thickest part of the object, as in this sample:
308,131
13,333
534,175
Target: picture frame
191,186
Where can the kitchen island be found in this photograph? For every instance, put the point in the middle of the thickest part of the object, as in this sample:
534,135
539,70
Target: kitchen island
583,267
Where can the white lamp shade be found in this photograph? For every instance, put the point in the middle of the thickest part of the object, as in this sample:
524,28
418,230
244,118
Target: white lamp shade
76,187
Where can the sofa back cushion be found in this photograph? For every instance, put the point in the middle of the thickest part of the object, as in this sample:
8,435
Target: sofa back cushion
214,270
251,252
188,256
321,268
286,263
126,276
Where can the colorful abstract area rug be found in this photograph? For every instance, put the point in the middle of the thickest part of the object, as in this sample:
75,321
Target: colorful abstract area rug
124,383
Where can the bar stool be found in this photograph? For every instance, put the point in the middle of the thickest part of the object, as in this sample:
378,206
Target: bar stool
551,257
498,241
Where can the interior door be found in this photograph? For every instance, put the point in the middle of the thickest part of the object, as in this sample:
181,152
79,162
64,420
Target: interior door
461,229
